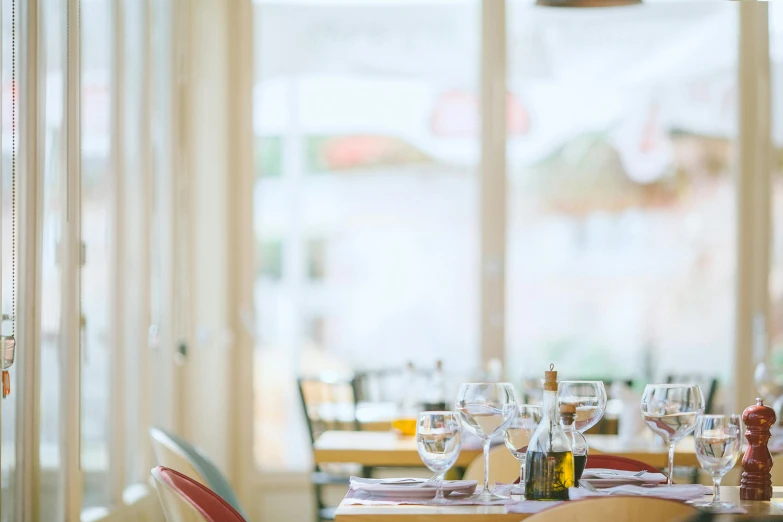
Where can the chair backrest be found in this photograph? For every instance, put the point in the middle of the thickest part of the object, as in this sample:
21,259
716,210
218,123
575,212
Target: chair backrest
615,462
329,403
709,387
638,509
386,384
172,451
187,500
503,467
175,508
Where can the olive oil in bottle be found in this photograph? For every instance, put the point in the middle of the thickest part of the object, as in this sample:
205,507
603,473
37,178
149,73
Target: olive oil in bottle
549,469
551,475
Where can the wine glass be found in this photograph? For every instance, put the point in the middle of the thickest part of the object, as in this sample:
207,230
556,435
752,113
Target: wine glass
438,440
589,397
517,437
670,410
718,441
486,409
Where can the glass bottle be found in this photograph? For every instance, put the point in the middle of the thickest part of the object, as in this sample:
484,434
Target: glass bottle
436,390
409,407
578,441
549,470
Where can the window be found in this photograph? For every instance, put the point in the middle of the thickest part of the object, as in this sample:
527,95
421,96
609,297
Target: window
366,198
97,293
621,166
776,271
9,405
53,216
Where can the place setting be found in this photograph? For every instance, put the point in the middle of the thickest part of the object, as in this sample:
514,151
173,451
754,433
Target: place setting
555,462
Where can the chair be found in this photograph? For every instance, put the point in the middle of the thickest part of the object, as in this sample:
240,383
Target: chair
708,386
603,461
329,402
615,462
176,453
184,499
638,509
503,467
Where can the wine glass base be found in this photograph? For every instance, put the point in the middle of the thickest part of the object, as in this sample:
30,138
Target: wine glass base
487,496
516,489
714,506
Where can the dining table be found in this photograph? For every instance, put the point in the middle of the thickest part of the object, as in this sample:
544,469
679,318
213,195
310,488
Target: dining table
389,449
499,513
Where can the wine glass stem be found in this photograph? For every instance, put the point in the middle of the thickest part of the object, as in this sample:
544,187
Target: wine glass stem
671,462
486,464
521,472
716,489
439,492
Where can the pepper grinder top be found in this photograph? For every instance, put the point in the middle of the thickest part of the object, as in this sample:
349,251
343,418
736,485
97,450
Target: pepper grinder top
756,481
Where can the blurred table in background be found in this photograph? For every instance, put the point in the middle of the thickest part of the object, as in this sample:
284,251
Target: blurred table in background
387,449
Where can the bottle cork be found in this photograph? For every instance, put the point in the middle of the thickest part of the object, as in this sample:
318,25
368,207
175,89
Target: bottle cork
550,379
568,409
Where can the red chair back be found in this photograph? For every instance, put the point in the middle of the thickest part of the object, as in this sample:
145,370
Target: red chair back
615,462
211,506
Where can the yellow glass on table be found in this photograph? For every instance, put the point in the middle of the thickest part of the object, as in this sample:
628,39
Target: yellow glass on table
406,425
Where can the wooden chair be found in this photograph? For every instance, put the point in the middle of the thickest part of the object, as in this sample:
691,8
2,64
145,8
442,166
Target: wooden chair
174,452
503,467
184,499
329,402
638,509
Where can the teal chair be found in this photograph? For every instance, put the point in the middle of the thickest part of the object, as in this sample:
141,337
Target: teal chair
176,453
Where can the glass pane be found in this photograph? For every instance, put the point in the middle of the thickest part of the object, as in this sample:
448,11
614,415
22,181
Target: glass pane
776,272
9,419
621,146
135,282
52,487
160,394
366,199
96,222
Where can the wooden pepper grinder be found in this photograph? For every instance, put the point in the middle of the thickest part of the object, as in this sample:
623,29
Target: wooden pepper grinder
756,481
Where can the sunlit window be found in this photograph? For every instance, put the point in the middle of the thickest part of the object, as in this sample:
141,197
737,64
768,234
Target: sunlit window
621,233
366,202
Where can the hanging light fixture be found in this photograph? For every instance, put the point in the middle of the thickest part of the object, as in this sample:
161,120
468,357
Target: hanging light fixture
587,3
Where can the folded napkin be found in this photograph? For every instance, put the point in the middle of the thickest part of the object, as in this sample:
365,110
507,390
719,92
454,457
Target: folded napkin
674,492
361,494
598,474
736,510
359,483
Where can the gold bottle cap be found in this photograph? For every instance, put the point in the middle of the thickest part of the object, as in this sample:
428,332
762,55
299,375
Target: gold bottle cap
550,379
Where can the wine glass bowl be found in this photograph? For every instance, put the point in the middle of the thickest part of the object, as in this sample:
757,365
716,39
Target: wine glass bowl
718,442
517,437
589,397
438,441
486,409
671,411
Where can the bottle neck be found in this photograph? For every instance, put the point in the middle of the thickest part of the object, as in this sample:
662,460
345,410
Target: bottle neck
568,426
550,405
